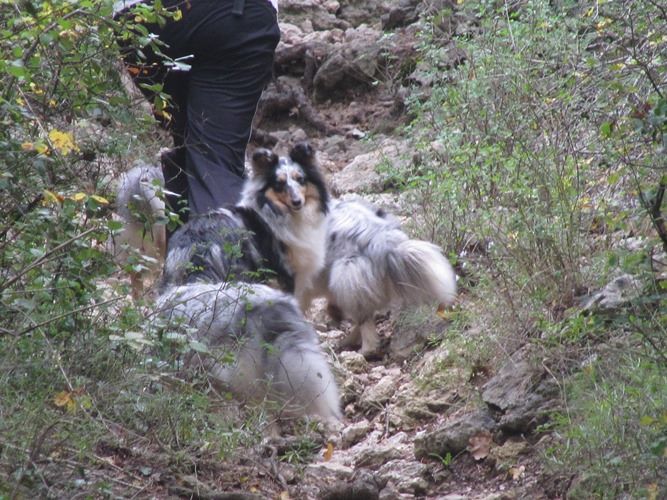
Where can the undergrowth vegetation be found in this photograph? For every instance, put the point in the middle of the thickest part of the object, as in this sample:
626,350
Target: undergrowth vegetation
76,388
543,167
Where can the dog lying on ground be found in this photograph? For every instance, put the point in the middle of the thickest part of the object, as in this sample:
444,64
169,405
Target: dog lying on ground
372,266
142,241
259,345
277,230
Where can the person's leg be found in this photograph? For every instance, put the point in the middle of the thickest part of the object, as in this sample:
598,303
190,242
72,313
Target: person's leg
213,104
232,65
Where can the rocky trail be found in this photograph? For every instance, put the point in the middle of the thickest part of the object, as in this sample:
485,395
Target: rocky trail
418,425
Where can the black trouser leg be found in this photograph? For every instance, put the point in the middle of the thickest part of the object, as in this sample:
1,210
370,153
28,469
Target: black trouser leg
216,100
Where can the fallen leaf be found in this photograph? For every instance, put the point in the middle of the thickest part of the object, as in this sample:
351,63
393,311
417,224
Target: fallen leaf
479,444
516,472
64,399
442,311
329,451
284,495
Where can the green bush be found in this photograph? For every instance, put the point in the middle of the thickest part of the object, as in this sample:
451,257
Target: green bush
538,156
67,383
615,431
519,163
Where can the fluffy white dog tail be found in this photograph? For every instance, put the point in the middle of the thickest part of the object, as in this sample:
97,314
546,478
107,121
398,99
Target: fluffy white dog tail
420,273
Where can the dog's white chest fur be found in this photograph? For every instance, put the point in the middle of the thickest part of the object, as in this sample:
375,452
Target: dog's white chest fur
305,237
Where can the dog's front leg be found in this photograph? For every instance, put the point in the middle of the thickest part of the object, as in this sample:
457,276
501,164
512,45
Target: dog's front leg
304,297
137,284
353,338
370,341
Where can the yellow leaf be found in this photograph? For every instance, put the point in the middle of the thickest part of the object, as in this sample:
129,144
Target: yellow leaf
41,148
86,402
603,24
36,89
71,34
51,197
178,15
65,399
62,398
652,491
329,451
441,312
79,196
99,199
284,495
27,146
62,141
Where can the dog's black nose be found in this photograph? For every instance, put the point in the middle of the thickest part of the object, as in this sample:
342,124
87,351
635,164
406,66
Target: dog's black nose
297,203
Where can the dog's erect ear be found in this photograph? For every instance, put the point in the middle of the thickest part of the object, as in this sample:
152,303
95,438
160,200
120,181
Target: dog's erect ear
303,154
263,160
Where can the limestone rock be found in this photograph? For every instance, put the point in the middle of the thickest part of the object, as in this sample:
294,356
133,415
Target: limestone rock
355,432
375,396
453,437
522,393
354,361
615,294
407,476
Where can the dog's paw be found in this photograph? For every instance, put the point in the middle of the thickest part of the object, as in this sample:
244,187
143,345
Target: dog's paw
350,342
373,354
